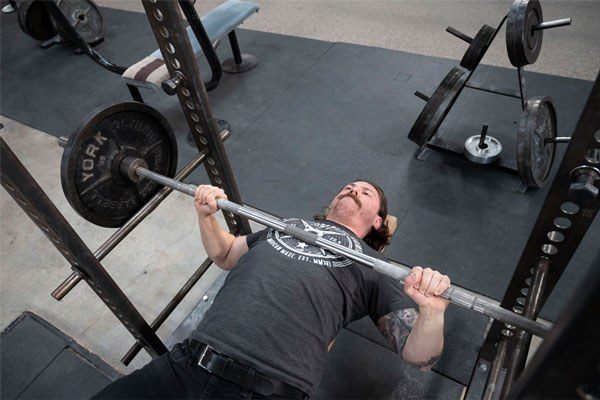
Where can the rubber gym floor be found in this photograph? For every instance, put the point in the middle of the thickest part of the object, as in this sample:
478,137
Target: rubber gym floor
313,115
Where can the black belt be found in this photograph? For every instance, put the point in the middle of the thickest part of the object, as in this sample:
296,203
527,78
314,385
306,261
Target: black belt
245,376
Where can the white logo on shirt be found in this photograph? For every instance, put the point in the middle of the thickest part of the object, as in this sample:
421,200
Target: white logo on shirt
296,249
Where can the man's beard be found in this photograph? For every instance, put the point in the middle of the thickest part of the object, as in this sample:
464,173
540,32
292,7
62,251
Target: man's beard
345,213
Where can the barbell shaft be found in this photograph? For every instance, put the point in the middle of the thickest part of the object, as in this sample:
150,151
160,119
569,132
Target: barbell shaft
552,24
457,295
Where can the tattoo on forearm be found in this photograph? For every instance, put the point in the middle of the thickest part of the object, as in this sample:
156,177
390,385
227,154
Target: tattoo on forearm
396,326
425,364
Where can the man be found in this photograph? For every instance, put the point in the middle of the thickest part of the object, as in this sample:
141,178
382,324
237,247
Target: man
268,331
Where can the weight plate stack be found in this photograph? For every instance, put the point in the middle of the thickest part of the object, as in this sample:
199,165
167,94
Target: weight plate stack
535,150
523,43
90,168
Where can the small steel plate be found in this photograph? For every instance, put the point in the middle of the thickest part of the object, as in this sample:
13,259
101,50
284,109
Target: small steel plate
438,106
523,44
90,174
535,155
488,154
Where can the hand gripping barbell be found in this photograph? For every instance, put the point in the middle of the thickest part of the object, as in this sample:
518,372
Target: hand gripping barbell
135,169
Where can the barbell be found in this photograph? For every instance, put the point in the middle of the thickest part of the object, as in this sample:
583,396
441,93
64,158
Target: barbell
111,164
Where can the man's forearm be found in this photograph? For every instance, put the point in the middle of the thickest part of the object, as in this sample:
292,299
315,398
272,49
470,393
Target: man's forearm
424,345
217,242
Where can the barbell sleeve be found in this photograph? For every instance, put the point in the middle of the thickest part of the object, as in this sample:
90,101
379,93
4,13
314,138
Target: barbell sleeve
455,294
459,34
552,24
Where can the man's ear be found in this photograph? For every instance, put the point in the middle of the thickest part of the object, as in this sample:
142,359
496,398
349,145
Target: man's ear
378,222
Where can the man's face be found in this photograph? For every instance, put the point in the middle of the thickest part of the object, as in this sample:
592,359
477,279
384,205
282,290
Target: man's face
358,200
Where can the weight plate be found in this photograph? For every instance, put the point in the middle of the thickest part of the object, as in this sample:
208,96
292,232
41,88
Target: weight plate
534,155
523,44
89,169
438,106
85,17
35,21
478,47
487,154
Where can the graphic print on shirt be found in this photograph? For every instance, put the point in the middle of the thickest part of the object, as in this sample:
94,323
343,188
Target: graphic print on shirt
296,249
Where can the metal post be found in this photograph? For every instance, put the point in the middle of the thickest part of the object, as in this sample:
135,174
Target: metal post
491,385
566,364
235,47
519,346
210,54
31,198
170,33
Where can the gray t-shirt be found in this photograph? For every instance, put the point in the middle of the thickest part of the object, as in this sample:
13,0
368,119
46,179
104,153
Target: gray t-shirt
285,301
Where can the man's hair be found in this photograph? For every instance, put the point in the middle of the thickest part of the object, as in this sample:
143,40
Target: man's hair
376,238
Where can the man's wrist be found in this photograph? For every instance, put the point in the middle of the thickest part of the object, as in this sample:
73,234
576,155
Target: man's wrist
431,313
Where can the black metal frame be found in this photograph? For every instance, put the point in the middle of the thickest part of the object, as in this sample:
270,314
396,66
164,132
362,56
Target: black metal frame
436,142
550,246
566,364
194,101
31,198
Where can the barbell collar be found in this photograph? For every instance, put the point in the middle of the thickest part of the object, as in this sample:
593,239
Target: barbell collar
552,24
457,295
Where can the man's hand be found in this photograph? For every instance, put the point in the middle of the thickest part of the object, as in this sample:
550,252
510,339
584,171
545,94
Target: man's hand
206,199
424,286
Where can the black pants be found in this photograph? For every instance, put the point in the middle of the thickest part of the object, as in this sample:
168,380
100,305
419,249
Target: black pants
174,376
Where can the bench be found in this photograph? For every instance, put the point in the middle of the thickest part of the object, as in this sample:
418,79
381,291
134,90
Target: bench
151,72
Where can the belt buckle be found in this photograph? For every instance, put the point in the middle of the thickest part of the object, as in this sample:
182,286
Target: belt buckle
202,355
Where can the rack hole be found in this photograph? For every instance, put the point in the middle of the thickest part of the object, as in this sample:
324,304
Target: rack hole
175,63
556,236
214,171
562,223
195,117
170,48
518,310
218,181
521,300
524,291
203,140
593,156
597,136
158,15
189,104
569,208
164,32
185,92
528,281
549,249
210,161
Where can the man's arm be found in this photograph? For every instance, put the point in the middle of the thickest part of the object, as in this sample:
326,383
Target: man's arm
419,337
222,247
